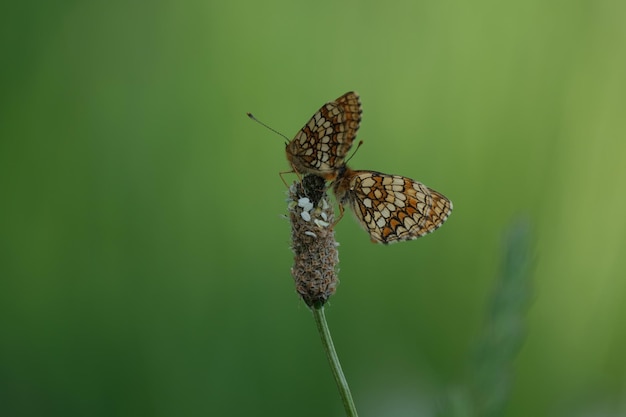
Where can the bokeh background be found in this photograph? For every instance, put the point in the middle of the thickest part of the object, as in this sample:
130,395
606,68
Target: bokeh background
144,262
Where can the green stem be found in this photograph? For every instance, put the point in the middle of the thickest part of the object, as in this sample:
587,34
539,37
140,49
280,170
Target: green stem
333,360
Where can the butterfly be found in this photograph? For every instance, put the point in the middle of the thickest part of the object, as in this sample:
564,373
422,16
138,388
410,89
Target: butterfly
321,146
391,208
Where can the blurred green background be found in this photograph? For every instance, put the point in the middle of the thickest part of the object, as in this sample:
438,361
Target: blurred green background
144,263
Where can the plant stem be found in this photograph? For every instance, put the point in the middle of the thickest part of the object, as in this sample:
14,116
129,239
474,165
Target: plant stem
333,360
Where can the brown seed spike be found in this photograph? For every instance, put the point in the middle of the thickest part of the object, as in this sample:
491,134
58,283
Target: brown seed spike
312,241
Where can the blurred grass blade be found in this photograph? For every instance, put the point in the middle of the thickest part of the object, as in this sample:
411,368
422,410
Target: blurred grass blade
491,365
504,331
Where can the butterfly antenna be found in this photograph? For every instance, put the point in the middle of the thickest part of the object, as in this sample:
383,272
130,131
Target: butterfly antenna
250,115
354,153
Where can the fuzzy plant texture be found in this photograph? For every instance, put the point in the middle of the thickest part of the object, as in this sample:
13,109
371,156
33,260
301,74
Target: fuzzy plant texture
313,241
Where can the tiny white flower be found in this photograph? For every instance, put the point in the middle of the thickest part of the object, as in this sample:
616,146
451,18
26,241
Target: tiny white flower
305,202
324,216
309,233
321,223
306,216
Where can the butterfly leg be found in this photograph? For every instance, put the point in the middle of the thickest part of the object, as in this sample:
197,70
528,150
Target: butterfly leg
281,173
293,171
341,212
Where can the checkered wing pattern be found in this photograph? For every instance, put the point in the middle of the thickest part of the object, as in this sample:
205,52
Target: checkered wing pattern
320,147
391,208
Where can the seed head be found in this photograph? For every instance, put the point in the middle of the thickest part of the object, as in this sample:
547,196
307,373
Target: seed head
313,241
